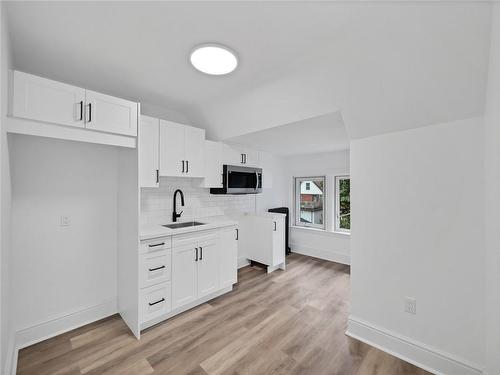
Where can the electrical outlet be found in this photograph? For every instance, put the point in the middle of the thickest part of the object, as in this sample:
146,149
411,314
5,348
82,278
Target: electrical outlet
410,305
65,221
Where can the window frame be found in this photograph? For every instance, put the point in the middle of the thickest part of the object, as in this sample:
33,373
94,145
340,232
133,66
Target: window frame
296,197
337,227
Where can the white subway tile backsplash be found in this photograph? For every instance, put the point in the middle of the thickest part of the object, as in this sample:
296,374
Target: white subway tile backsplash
157,203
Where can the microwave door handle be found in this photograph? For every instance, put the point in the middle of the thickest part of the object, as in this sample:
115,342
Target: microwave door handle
256,180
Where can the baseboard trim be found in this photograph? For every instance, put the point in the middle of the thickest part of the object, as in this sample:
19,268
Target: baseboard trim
55,326
11,362
243,262
332,256
63,323
419,354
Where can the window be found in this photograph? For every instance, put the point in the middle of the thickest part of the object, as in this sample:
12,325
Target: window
343,204
310,195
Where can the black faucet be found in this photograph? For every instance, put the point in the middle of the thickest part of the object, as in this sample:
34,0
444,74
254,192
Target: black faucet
175,215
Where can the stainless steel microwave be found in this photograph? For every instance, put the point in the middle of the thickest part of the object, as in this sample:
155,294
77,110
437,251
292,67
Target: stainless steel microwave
239,180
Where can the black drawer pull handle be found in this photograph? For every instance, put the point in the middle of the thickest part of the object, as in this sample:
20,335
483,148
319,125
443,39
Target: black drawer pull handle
158,244
157,302
156,269
274,226
81,110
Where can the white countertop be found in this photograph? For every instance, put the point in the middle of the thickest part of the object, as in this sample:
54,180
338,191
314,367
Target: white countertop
148,231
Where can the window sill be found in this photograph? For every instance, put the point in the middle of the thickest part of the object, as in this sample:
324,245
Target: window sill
321,231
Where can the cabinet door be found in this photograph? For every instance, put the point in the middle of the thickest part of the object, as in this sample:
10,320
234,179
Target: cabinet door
110,114
194,151
208,267
213,165
278,241
172,160
231,155
250,157
184,275
149,151
228,257
41,99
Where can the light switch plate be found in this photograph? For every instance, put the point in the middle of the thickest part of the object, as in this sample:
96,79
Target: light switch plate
410,305
65,221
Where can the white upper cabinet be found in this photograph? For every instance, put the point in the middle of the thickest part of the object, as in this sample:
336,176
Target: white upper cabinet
182,150
240,155
194,151
172,161
250,157
213,165
149,151
41,99
231,156
109,114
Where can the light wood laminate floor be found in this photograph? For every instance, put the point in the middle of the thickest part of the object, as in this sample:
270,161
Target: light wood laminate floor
289,322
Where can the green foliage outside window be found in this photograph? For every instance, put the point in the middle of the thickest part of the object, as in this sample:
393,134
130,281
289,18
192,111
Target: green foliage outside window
345,203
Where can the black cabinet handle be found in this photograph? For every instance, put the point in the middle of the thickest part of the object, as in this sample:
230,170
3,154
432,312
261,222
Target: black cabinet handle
201,253
196,250
274,226
157,176
242,162
237,234
183,166
245,158
90,113
157,302
156,269
187,166
157,244
81,110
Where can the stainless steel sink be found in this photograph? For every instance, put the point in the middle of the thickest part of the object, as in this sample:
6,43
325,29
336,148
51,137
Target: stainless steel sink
183,225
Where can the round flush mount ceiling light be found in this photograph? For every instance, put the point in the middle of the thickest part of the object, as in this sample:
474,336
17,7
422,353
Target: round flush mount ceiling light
214,59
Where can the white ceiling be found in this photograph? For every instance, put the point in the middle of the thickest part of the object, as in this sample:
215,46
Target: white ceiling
318,134
385,66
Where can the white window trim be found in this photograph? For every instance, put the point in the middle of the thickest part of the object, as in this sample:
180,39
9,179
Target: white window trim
297,222
337,204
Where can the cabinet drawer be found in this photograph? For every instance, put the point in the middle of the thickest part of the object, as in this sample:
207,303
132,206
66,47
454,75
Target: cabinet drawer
155,268
155,301
194,238
156,244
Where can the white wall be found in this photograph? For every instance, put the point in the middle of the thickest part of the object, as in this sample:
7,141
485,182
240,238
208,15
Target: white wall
417,231
62,270
492,200
6,331
321,244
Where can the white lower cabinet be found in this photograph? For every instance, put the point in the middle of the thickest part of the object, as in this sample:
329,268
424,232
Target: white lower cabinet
184,274
228,263
262,239
181,271
208,266
155,302
154,268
